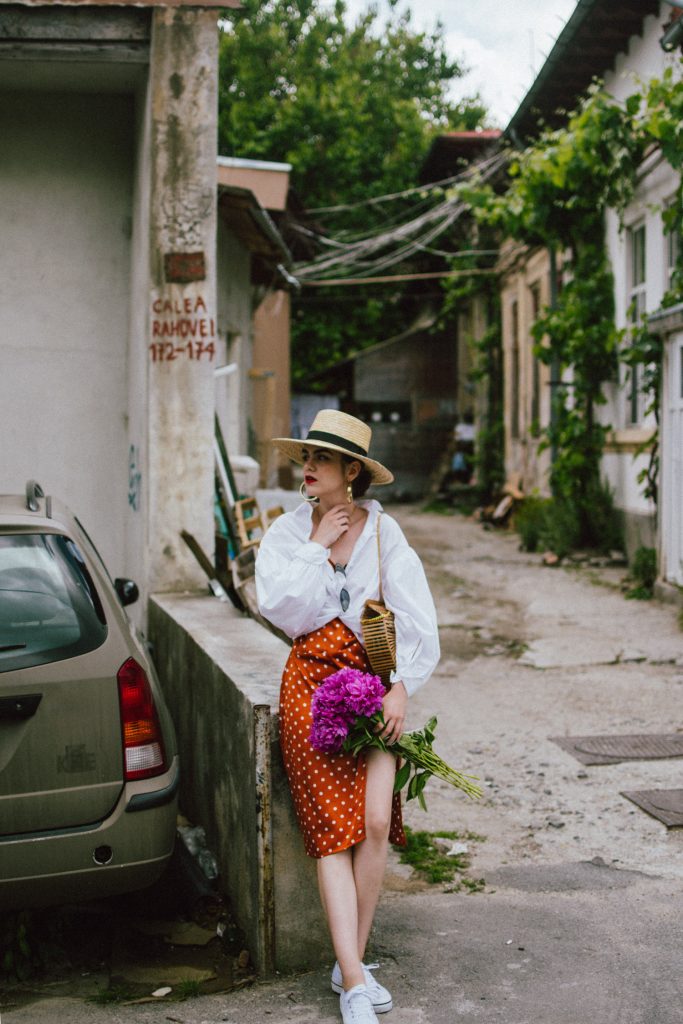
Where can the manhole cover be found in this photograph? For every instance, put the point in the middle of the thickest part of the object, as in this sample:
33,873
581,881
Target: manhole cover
666,805
611,749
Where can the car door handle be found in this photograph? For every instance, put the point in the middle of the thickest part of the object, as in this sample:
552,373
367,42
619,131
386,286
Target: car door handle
23,706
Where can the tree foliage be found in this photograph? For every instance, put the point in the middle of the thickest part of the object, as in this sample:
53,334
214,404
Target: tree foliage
353,108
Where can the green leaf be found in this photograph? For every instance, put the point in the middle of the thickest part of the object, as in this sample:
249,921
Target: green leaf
402,776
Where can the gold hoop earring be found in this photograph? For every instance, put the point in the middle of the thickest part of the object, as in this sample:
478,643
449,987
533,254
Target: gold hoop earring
302,492
349,494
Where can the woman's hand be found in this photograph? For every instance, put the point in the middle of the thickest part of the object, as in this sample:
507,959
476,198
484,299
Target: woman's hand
394,707
332,525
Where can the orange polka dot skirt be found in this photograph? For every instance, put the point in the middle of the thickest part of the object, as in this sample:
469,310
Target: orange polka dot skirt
328,789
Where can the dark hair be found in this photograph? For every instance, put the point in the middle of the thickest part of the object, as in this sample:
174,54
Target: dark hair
360,483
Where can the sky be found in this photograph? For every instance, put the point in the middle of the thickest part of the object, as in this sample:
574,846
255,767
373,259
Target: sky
503,42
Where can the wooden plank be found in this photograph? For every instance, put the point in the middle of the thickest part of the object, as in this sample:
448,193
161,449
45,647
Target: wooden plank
220,440
228,514
212,574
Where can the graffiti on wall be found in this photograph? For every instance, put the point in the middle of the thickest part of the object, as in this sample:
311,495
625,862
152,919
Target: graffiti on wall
134,478
182,329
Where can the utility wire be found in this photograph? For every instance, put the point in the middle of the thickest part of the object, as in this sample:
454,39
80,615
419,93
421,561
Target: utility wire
386,279
370,255
432,185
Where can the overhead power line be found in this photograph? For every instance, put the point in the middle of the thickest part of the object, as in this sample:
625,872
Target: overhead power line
386,279
372,254
375,200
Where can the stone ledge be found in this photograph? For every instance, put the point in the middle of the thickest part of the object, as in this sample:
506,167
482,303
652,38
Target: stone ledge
220,672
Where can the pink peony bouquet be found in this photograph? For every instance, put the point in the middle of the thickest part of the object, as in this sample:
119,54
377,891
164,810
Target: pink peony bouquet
347,710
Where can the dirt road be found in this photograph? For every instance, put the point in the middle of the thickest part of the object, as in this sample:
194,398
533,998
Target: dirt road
529,653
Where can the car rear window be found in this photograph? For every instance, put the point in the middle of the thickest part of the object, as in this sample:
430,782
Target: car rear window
49,607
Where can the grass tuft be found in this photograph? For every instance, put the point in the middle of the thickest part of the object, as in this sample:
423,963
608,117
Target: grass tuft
424,857
189,988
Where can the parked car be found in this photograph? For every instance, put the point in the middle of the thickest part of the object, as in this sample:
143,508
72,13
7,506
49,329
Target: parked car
88,757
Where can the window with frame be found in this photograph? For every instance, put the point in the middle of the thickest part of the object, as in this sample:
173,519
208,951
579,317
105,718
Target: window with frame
637,303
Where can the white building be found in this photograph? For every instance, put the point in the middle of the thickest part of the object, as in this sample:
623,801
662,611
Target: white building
622,44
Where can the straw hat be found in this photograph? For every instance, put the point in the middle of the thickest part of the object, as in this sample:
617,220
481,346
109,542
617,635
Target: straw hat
341,433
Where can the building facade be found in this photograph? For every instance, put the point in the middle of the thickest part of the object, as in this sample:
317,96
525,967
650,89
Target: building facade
127,276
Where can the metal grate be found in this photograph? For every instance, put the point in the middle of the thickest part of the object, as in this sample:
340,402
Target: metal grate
612,749
666,805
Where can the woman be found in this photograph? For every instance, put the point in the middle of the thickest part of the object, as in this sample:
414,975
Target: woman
315,569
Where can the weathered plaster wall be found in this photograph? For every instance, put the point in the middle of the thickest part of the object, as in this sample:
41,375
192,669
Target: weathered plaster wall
218,669
66,201
181,339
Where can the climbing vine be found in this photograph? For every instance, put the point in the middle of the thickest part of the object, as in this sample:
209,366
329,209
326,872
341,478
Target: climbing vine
556,196
661,111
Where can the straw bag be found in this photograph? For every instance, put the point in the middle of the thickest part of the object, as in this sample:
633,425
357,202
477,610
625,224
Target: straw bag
379,630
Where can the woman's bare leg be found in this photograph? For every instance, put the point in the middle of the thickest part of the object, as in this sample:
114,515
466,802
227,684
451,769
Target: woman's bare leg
370,856
340,901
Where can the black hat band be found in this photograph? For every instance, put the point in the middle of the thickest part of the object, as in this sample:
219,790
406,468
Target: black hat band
321,435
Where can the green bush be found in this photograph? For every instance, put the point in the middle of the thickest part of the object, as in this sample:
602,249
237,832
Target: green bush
529,521
643,573
561,531
561,525
600,522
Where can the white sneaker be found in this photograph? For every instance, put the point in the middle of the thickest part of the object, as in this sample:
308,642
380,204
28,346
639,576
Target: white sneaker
379,995
356,1006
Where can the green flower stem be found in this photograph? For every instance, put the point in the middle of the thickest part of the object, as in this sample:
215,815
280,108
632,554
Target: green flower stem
421,762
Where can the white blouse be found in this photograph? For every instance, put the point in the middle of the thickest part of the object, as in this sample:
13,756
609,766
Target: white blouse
298,589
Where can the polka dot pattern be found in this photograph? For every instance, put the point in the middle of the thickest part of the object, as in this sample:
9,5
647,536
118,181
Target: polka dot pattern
328,789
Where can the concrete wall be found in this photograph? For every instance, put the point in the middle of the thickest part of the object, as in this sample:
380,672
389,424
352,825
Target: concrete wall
107,181
66,200
221,675
181,303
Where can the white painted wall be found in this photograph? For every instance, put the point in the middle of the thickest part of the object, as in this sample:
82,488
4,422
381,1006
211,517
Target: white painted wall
644,60
65,196
136,523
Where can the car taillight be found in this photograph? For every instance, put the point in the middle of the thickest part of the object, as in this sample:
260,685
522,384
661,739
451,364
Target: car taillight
143,747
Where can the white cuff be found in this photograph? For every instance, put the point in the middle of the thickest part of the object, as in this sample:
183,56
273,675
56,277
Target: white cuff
411,685
312,552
